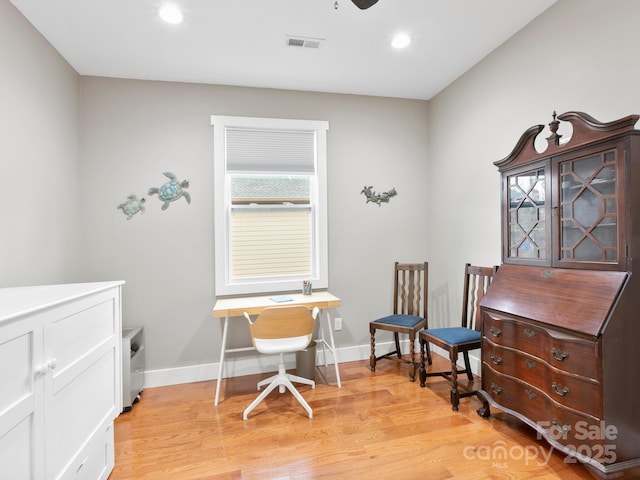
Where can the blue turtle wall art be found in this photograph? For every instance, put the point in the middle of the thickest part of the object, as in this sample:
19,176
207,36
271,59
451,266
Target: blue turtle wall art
171,191
132,206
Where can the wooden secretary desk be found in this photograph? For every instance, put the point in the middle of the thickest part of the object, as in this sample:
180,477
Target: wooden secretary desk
561,321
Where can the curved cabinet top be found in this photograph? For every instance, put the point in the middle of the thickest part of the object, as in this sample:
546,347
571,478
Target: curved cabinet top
586,129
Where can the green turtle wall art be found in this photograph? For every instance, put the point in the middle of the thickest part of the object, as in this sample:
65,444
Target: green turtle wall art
378,198
132,206
171,191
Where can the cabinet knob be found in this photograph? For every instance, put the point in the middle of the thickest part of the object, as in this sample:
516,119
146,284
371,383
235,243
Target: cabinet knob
496,332
497,389
529,333
496,359
45,367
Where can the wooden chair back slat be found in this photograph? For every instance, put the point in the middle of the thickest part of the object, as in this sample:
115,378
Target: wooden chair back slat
476,282
410,289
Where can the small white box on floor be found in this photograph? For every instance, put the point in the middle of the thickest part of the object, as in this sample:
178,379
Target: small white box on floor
132,366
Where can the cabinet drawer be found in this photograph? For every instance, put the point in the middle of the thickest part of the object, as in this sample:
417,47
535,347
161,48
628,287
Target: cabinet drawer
559,350
573,391
97,459
572,429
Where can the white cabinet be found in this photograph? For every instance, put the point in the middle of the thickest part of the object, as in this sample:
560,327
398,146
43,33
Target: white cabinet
60,371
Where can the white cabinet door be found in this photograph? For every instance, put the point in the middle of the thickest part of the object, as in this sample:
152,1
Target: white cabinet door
21,419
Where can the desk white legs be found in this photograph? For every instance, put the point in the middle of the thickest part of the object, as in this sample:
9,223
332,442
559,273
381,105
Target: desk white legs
223,348
331,346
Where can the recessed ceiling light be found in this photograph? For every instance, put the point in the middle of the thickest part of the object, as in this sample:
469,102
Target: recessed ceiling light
400,40
170,13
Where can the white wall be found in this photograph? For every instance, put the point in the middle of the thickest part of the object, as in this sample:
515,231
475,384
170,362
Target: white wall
132,131
39,202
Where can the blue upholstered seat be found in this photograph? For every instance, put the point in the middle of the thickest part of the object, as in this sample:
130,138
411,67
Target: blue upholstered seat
455,335
400,320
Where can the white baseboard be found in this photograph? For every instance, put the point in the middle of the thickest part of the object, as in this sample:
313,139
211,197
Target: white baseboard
249,364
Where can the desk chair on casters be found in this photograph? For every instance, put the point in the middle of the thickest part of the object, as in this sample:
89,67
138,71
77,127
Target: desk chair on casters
281,330
462,339
409,312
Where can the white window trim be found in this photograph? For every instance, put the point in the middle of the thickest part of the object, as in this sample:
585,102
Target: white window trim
223,284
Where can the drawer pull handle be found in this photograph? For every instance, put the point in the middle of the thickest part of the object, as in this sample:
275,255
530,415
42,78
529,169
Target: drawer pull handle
82,464
529,333
530,363
559,355
564,428
496,332
531,395
559,389
495,359
496,389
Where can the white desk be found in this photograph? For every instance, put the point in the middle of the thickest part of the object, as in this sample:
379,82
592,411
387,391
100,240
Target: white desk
236,306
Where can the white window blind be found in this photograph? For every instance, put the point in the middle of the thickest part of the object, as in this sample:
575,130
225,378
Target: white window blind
250,150
268,242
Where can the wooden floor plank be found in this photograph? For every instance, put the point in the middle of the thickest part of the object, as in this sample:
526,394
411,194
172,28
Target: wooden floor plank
378,425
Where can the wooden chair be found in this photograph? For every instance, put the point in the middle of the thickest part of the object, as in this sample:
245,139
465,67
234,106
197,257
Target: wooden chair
409,316
460,339
281,330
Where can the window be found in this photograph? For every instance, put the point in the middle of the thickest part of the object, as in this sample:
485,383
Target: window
270,204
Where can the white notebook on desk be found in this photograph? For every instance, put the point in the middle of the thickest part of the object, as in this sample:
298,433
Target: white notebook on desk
282,298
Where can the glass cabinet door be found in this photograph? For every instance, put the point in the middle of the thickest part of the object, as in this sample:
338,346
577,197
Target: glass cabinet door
589,223
527,214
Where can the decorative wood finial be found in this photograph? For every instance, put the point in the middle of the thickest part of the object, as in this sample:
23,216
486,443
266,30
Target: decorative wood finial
554,138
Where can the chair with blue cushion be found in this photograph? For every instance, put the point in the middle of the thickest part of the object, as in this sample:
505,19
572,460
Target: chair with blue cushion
409,313
462,339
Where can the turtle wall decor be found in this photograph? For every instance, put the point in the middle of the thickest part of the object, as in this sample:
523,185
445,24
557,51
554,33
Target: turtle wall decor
132,205
378,198
171,191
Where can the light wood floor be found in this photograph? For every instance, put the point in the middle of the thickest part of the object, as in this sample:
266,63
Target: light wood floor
378,425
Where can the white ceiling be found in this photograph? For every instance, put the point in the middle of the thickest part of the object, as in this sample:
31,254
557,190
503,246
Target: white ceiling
243,42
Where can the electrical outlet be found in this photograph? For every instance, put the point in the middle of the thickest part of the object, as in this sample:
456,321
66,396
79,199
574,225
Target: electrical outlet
337,323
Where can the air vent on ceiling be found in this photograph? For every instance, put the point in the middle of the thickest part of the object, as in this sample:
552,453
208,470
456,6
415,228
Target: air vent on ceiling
304,42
